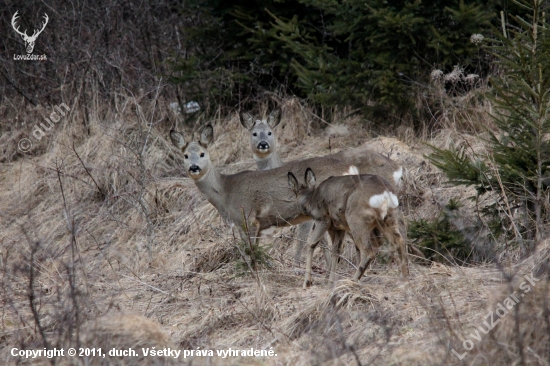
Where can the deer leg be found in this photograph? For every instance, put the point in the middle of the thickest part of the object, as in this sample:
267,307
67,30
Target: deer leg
331,234
320,229
326,251
368,252
303,232
393,235
249,231
357,251
401,249
243,235
250,240
337,237
257,233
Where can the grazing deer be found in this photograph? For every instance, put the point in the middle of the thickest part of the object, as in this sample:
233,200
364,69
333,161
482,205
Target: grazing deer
264,196
363,205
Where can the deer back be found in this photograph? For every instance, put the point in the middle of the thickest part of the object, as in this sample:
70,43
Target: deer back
264,197
338,198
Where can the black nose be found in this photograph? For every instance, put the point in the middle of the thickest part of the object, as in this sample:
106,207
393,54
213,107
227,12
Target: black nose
194,168
263,145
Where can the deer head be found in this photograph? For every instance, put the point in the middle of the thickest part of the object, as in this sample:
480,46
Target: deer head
262,138
29,41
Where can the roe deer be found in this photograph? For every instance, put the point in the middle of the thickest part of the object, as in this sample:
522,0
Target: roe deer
365,205
262,138
264,147
265,196
263,143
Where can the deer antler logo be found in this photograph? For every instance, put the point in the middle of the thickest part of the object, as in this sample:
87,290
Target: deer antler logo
29,41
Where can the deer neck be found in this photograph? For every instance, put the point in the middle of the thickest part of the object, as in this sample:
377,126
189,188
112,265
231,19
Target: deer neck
213,187
270,162
309,204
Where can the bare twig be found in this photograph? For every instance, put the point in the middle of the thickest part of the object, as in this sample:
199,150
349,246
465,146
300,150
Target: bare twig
146,284
103,195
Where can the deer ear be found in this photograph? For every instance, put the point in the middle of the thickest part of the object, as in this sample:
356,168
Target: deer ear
207,135
293,182
274,118
177,139
247,121
310,178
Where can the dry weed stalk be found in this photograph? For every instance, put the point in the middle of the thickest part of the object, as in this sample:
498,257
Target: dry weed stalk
90,255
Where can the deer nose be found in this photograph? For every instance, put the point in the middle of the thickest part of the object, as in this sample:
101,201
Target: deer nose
263,145
194,168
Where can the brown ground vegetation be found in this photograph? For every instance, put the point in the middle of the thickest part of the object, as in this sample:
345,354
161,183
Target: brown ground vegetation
105,243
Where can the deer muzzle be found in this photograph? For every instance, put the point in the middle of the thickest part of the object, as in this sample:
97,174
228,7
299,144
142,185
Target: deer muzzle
263,146
194,169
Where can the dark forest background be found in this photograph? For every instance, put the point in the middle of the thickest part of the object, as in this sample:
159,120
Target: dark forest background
373,57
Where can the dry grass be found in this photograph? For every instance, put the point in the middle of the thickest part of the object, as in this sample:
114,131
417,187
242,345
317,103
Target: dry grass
113,227
125,331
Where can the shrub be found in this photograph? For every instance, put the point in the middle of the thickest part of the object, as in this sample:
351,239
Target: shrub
517,168
440,240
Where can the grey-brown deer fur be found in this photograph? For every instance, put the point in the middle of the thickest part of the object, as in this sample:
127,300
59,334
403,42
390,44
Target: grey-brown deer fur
363,205
265,196
263,143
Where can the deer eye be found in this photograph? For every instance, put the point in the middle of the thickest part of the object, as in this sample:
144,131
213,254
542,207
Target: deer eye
185,156
254,134
202,155
269,133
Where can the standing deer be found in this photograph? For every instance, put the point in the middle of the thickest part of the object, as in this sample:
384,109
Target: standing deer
363,205
263,143
264,196
264,147
262,138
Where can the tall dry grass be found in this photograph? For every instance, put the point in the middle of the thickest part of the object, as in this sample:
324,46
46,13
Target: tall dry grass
99,222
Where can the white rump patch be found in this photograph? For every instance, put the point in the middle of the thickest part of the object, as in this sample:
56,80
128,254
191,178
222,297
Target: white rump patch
352,170
397,175
337,130
383,201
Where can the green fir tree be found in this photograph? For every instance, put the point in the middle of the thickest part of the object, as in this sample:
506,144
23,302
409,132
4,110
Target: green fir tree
517,168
